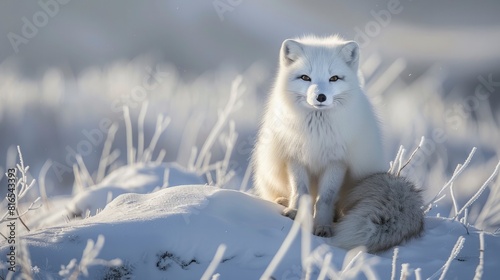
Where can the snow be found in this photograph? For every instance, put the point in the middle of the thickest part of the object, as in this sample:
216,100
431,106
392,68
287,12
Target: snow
174,232
137,178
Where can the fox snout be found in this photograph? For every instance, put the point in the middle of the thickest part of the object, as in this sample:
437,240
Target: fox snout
321,98
318,99
319,95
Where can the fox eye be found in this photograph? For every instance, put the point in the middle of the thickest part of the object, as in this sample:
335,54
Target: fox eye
305,78
334,78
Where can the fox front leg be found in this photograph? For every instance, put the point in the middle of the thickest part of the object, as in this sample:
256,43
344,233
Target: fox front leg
329,187
299,186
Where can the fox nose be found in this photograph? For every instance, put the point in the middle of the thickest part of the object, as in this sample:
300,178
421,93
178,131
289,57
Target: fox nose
321,97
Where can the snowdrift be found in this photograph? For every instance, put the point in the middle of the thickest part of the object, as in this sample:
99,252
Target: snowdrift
174,233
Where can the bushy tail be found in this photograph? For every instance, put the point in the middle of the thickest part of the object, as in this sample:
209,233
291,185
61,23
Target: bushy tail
380,212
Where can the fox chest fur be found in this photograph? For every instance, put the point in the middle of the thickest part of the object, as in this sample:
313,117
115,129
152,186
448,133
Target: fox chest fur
314,140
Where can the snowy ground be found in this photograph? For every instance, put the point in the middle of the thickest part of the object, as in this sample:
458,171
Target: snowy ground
175,232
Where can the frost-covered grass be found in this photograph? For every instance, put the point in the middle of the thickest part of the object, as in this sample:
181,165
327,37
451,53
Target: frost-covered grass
204,129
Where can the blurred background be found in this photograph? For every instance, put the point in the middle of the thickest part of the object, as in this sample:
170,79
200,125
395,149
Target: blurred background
67,69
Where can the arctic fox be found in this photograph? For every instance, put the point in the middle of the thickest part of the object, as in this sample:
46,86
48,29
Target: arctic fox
319,133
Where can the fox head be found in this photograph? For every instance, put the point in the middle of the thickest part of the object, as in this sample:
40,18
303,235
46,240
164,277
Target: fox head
319,73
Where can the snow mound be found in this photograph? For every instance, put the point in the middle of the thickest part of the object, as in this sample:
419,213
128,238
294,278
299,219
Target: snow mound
137,178
173,233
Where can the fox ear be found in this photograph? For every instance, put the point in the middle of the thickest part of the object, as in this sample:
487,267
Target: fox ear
291,50
350,53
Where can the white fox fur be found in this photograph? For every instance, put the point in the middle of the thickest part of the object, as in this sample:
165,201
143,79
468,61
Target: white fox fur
379,212
319,132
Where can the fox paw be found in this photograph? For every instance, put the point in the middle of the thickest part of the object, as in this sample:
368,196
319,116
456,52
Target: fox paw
323,231
289,212
282,201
